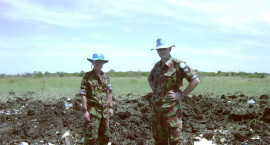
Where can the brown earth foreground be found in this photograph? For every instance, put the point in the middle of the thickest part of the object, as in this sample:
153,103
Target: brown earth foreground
225,120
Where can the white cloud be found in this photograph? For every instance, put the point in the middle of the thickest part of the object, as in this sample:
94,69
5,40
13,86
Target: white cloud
266,17
127,29
30,11
228,53
45,27
227,13
76,39
98,36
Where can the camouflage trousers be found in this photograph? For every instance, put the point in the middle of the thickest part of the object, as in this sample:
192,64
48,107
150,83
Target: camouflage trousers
167,130
96,132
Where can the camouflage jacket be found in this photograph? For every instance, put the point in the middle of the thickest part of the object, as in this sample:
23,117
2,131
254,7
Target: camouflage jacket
96,89
166,78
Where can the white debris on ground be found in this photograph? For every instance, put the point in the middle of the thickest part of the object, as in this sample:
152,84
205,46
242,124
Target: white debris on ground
65,134
24,143
250,101
257,137
203,141
199,140
68,105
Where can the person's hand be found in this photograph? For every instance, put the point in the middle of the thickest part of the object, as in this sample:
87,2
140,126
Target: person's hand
174,96
110,112
86,116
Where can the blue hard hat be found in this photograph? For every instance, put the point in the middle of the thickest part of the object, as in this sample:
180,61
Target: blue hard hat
97,56
162,43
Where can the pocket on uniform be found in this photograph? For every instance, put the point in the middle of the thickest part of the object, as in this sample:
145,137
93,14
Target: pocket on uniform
170,73
175,122
170,78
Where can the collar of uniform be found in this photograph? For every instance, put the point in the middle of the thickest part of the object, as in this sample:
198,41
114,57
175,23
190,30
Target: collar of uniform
169,61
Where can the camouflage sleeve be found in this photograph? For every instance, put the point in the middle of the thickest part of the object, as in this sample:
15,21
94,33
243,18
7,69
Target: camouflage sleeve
189,74
83,87
150,76
109,85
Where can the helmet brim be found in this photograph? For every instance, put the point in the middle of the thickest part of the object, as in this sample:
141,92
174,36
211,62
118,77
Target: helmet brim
91,60
161,47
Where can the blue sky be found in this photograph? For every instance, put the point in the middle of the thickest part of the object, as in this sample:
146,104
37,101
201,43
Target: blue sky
59,35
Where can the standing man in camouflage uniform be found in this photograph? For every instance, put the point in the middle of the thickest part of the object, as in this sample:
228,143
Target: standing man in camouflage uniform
165,80
96,95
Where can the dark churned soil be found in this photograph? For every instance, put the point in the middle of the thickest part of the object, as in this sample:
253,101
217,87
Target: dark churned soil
224,120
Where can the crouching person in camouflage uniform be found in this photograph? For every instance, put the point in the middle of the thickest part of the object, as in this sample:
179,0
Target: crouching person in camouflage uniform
96,95
165,79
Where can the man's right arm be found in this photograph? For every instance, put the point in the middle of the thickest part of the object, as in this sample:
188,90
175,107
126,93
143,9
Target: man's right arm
150,81
86,114
84,104
151,84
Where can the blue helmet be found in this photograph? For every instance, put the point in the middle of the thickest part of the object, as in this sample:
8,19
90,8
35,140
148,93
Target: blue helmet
97,56
161,43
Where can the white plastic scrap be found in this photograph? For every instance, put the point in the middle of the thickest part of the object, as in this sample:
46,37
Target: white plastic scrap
222,140
4,124
24,143
203,141
68,105
8,112
82,140
251,101
65,134
257,137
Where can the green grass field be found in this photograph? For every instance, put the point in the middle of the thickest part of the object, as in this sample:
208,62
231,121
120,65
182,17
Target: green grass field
57,87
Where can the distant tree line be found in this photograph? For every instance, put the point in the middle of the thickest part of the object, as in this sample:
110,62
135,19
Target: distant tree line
39,74
234,74
112,73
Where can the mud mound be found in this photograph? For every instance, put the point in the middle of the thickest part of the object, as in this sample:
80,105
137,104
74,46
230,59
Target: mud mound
132,122
225,120
36,122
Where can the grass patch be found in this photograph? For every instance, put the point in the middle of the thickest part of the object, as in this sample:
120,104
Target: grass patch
11,81
233,85
134,85
58,87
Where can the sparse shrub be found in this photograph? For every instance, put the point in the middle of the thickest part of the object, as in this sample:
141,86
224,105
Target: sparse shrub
27,75
60,74
47,74
2,75
38,74
11,81
81,73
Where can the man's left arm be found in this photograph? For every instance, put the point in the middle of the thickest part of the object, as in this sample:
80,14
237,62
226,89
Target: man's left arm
191,77
191,86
